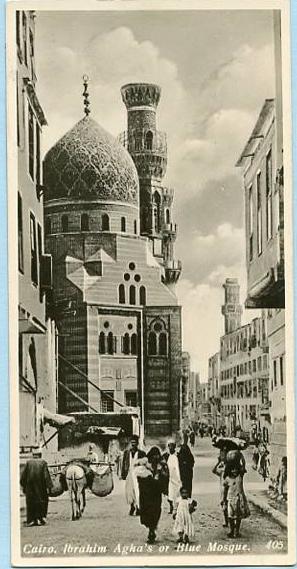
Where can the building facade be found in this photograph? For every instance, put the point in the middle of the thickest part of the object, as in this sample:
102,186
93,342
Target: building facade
36,361
214,389
108,227
263,173
277,385
264,219
244,369
194,396
185,388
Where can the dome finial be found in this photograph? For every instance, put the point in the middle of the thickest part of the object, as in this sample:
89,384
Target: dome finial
86,95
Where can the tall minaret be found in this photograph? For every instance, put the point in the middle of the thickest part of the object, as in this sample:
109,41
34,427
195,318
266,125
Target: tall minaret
148,148
232,309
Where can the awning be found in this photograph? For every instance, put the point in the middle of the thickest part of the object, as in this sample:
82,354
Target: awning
107,431
56,420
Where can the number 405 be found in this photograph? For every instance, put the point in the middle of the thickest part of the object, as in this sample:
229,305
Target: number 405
275,544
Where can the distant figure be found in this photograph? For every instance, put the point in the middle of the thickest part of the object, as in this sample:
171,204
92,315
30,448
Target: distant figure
186,464
183,525
36,483
192,438
130,456
92,458
174,475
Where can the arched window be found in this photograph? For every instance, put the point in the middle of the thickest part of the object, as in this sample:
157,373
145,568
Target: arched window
149,140
121,294
126,344
152,344
135,226
134,344
101,343
142,296
84,222
105,222
48,225
64,222
132,295
163,344
110,343
167,216
123,224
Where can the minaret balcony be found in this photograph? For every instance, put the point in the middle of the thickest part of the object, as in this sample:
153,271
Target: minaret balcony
172,271
145,142
169,229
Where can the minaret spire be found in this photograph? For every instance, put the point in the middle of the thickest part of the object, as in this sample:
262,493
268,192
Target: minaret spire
85,95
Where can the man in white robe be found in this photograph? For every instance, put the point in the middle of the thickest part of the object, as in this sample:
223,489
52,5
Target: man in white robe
130,456
175,484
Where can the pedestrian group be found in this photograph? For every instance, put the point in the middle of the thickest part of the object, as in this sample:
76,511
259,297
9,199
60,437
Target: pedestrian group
149,476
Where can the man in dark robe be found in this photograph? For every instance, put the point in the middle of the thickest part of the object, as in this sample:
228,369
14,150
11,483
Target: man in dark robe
186,464
36,483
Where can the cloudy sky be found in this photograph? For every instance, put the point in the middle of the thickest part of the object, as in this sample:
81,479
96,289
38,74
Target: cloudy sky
215,69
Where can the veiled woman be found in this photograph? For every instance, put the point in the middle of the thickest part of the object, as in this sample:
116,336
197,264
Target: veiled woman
186,464
152,474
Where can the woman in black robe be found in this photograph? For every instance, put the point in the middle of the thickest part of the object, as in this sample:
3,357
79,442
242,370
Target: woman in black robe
186,464
152,474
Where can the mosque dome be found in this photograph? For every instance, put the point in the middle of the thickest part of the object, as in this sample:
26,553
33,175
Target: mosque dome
88,163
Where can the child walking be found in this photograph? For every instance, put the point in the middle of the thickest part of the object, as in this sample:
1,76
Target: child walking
183,525
235,498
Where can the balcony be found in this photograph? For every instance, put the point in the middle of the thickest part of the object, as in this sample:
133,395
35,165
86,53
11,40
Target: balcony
169,228
172,271
143,141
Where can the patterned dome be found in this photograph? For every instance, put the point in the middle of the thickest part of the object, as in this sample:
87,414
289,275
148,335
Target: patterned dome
88,163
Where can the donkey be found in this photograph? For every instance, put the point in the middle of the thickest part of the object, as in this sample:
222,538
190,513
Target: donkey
77,484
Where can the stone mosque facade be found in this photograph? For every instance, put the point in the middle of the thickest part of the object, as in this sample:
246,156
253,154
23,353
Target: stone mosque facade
109,229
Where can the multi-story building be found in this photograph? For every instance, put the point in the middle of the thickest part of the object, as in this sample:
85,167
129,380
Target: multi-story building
36,361
262,164
244,369
194,396
214,389
277,391
185,386
204,407
108,226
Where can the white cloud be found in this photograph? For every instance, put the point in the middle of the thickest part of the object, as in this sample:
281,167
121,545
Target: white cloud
110,60
243,82
224,247
213,157
224,114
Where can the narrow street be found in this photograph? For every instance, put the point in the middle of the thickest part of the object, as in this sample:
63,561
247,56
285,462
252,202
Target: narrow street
106,528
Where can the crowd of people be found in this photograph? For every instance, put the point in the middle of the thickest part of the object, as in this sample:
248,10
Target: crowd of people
149,476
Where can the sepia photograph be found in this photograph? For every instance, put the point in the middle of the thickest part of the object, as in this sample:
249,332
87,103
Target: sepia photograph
151,283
